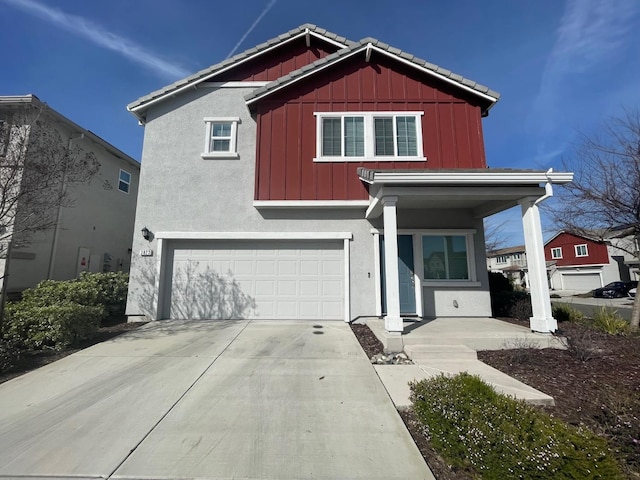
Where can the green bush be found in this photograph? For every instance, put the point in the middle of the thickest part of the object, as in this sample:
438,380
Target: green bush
499,437
610,322
564,312
52,292
111,289
502,303
54,326
9,354
499,283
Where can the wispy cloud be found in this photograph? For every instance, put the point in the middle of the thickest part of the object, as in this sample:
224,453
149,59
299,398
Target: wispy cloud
253,25
592,34
100,36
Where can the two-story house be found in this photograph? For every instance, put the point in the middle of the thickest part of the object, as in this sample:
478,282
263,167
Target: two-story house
93,230
314,177
584,261
511,262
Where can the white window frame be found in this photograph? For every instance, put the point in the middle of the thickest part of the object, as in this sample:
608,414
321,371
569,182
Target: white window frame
586,250
556,253
501,259
128,184
233,144
369,137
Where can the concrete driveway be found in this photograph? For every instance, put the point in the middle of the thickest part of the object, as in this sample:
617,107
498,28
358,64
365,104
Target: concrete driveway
208,399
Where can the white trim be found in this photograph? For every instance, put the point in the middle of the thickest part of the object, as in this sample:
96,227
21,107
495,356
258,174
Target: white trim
578,267
194,83
311,203
127,183
418,273
233,138
157,301
368,48
586,250
469,178
234,84
347,281
452,283
553,250
254,235
428,231
368,125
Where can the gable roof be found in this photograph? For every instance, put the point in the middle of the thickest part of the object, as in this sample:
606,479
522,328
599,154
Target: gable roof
367,45
18,100
593,236
249,54
347,48
506,251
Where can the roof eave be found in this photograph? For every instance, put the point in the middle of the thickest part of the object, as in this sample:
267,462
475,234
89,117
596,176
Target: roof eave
466,178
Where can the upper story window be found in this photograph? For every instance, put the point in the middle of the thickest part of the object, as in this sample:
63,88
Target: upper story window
501,259
556,252
220,139
124,181
368,136
516,256
581,250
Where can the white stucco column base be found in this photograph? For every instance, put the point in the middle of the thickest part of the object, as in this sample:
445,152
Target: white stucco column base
542,319
392,321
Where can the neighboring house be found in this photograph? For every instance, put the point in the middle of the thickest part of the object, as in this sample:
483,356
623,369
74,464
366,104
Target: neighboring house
313,177
94,232
584,261
511,262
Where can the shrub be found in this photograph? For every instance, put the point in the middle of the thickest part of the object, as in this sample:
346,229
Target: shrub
564,312
503,302
499,437
610,322
52,292
521,309
111,289
9,354
55,326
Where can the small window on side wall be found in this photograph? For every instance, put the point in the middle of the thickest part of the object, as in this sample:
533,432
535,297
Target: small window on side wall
124,181
556,252
220,139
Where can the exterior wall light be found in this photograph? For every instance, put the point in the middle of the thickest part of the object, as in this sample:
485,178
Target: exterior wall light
146,233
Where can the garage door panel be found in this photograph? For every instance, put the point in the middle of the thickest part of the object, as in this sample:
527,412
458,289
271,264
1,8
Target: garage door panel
581,282
251,279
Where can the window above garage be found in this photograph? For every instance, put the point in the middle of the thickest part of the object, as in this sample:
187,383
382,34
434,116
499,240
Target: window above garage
368,136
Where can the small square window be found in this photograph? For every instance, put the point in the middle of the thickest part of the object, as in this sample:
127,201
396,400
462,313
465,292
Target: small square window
124,181
581,250
221,135
556,252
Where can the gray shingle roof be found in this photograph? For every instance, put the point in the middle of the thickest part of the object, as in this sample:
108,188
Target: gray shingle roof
213,69
362,45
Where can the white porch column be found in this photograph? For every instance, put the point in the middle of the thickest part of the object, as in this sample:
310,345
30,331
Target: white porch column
542,319
392,321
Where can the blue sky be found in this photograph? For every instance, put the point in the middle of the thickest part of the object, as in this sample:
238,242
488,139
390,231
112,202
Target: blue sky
561,66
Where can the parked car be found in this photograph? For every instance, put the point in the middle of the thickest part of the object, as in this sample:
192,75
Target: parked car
632,292
614,290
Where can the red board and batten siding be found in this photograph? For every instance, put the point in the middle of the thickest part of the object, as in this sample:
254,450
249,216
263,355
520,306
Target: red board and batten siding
451,128
597,252
279,62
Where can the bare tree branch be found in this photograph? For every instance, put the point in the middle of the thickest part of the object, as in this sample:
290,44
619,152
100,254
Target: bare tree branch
604,199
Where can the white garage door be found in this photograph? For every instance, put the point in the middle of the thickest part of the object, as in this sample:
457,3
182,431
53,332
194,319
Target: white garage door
582,282
256,279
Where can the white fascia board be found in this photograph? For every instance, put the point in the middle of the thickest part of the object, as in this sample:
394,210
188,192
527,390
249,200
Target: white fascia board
311,203
195,82
254,235
468,178
235,84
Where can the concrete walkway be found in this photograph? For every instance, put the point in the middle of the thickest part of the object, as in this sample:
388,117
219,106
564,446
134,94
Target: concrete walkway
448,346
210,400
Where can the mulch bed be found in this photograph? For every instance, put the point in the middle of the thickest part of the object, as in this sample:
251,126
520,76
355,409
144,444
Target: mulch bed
595,383
32,359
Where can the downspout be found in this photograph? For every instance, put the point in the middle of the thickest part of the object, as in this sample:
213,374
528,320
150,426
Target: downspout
548,188
56,232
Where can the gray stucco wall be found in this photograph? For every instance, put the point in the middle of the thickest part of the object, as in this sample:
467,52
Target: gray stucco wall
181,192
99,219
